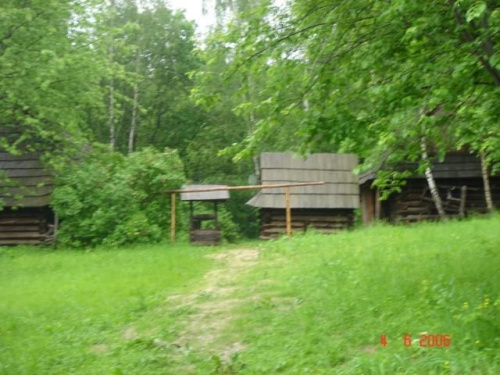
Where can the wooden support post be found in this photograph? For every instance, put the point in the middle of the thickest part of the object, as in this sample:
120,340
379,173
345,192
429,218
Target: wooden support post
191,213
288,212
463,200
56,226
216,215
172,219
378,205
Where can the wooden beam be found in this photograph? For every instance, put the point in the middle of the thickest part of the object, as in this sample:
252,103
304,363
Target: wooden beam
172,219
288,212
245,187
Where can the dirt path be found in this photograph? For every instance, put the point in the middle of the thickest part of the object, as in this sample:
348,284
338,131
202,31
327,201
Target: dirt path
213,304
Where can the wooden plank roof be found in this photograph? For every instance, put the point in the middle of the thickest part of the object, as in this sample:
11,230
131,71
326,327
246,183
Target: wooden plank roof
220,195
341,189
454,165
28,178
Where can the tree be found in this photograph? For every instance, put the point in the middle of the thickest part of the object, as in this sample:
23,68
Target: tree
49,75
357,75
152,54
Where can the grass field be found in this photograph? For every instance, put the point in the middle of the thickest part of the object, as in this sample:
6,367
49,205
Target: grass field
329,300
310,305
72,312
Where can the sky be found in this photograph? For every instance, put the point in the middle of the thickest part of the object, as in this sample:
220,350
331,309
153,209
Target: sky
194,11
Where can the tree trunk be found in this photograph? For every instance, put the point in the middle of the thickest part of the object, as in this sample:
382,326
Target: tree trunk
431,182
247,97
486,182
256,167
133,124
111,118
159,114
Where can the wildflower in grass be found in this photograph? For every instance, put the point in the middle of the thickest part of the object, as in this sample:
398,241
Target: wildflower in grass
486,302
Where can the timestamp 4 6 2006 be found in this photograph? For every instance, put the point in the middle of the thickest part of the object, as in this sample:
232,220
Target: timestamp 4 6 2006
425,340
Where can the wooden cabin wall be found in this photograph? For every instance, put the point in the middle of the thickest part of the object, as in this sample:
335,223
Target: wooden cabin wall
273,221
367,202
415,203
26,226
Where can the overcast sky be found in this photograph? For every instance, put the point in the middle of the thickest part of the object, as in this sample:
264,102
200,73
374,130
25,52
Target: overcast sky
194,11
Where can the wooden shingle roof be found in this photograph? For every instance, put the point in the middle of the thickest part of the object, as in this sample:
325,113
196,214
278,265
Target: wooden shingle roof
27,178
454,165
220,195
341,189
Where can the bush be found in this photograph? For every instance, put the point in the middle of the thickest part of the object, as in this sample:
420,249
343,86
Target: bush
230,230
108,198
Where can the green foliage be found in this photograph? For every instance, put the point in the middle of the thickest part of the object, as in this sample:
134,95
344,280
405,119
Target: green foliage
230,230
50,74
108,198
370,78
244,216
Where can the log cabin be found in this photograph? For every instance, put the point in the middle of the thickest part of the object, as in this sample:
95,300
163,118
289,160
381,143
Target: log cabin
459,181
327,208
25,188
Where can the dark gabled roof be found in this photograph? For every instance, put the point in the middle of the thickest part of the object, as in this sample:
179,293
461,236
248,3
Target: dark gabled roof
27,178
366,176
219,195
454,165
340,190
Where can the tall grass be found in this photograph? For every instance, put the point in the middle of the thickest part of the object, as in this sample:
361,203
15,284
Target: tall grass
325,301
68,312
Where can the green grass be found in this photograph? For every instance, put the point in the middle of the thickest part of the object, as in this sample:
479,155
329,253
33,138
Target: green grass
68,312
313,304
328,299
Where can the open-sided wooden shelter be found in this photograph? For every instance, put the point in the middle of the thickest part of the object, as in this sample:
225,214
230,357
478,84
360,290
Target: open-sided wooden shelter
197,234
328,208
459,181
26,217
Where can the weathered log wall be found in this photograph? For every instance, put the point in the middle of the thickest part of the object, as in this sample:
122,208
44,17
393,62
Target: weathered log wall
461,197
273,221
205,237
26,226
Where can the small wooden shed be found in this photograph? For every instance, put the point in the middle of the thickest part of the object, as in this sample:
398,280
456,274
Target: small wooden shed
197,234
328,208
459,181
26,217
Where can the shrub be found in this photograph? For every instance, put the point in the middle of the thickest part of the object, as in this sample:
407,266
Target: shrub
108,198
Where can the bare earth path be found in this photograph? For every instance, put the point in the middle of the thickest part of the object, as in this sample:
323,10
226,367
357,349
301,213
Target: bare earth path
212,305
